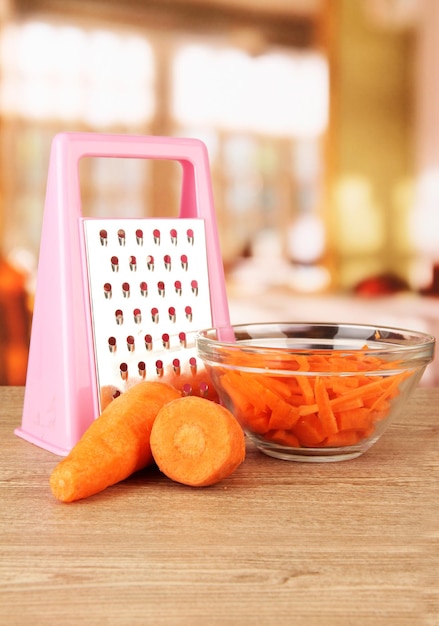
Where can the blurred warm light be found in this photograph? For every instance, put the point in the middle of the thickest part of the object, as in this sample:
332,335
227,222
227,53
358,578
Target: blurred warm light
280,94
307,239
359,227
425,216
63,72
402,202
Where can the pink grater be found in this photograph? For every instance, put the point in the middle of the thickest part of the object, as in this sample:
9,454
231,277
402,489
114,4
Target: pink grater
118,300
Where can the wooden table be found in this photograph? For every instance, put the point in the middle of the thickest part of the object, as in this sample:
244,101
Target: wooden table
353,543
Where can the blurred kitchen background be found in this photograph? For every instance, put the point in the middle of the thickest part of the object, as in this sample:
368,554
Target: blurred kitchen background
321,119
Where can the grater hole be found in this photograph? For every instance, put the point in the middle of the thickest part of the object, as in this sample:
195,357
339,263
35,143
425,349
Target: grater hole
184,261
204,390
194,287
173,234
188,312
123,367
148,342
133,263
182,338
190,236
112,344
119,316
108,290
159,367
150,262
156,235
187,389
172,315
167,262
103,235
137,313
139,236
121,236
161,288
141,368
177,286
130,343
165,341
155,315
126,290
114,263
143,288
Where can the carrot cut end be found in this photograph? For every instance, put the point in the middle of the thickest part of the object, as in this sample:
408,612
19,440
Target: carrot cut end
197,442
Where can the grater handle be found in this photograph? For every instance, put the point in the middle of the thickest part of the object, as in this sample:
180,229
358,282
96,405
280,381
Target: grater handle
196,196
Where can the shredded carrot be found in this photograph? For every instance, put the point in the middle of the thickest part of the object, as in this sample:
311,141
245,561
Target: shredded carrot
306,388
284,417
338,406
283,437
325,413
309,431
197,442
342,438
115,445
352,419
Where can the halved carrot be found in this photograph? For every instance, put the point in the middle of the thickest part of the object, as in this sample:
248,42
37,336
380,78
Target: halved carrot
197,442
115,445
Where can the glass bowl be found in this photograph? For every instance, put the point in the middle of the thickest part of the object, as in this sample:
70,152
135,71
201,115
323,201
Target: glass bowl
314,391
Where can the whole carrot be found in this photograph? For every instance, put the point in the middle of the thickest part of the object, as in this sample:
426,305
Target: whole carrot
116,445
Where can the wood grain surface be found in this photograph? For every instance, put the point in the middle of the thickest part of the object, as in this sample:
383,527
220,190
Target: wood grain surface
353,543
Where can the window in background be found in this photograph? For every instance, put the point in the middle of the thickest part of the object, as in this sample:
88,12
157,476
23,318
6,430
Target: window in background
262,118
63,77
95,77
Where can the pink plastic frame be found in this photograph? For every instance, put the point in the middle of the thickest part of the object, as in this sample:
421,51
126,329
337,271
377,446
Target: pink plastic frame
61,395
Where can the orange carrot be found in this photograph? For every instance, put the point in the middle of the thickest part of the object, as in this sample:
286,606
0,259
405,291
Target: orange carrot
197,442
325,409
284,437
309,431
342,438
116,444
353,419
107,395
326,415
241,401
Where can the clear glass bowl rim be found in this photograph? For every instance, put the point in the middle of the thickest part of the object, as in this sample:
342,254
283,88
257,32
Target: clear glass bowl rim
408,345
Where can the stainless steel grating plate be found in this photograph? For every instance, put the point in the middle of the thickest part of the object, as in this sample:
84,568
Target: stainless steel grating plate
149,293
